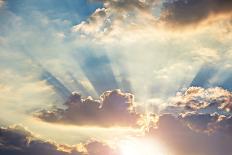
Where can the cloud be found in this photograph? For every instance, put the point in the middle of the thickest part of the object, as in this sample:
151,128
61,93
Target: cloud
19,141
115,16
197,98
202,122
126,5
100,148
192,12
114,108
190,133
194,134
152,13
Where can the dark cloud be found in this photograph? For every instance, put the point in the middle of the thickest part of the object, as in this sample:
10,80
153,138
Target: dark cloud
186,134
188,12
19,141
199,122
202,122
99,148
113,109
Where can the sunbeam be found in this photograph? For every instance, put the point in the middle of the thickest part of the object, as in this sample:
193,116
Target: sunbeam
115,77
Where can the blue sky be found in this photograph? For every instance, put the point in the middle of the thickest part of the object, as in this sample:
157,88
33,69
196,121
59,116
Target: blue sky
73,11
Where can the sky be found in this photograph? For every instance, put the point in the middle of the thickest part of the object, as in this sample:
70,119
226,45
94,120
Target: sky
115,77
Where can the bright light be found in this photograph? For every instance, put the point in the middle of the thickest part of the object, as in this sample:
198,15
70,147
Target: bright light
140,147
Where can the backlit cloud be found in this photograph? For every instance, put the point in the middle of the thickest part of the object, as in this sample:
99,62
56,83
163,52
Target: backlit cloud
19,141
195,98
113,109
186,134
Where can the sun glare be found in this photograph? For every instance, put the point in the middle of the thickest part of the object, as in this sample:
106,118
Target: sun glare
140,146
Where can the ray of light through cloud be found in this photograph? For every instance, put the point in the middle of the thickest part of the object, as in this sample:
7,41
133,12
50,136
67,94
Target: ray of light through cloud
105,57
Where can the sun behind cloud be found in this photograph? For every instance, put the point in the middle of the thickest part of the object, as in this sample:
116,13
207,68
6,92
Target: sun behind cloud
138,146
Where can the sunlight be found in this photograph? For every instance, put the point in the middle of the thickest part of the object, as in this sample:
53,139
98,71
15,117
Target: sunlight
140,146
147,120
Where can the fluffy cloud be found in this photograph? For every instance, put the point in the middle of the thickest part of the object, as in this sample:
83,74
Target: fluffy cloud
189,134
113,109
116,15
186,12
195,98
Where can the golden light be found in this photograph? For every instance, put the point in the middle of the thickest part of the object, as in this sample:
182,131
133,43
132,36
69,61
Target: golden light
147,120
140,147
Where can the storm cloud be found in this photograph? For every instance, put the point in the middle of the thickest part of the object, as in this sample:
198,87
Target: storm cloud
187,12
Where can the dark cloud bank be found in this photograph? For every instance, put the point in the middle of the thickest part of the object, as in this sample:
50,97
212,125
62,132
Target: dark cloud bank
185,12
19,141
194,134
189,133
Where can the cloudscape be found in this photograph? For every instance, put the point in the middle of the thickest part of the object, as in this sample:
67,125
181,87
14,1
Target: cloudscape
115,77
